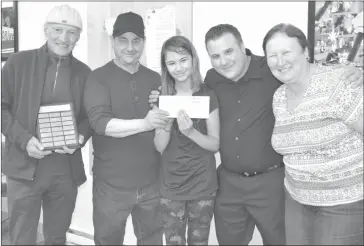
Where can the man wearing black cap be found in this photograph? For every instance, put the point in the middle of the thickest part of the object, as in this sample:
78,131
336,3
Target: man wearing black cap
126,164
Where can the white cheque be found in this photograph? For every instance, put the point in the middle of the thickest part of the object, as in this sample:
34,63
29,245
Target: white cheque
197,107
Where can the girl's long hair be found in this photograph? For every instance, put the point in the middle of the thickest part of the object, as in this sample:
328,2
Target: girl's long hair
181,45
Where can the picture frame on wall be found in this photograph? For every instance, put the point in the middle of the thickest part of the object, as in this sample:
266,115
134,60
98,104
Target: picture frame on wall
335,32
9,29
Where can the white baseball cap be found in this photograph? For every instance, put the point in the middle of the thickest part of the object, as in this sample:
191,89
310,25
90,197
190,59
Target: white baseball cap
64,14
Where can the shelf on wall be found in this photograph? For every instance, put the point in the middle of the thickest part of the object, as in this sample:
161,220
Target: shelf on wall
339,36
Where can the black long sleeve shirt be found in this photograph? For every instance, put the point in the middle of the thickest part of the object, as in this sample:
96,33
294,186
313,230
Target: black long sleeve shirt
111,92
246,117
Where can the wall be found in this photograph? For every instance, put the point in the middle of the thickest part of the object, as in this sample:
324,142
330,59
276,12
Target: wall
252,19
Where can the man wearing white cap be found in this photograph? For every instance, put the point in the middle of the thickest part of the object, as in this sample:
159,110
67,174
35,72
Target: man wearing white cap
36,177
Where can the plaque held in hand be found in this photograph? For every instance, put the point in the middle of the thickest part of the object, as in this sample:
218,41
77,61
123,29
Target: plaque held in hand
56,126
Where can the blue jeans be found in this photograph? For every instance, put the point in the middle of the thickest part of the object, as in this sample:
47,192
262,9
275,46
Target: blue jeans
333,225
55,194
112,206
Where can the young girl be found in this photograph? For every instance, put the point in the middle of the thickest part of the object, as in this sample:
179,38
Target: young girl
189,181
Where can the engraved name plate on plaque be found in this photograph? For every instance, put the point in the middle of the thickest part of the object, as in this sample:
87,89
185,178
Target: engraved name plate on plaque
57,126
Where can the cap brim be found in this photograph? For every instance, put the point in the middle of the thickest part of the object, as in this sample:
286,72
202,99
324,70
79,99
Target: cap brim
66,24
118,33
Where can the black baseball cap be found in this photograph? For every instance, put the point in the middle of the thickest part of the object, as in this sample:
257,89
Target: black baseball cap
129,22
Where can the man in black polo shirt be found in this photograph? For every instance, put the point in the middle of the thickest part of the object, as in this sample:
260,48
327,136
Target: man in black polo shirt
126,164
251,173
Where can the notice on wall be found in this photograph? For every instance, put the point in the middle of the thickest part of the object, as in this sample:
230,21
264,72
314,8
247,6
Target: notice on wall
160,25
8,17
7,40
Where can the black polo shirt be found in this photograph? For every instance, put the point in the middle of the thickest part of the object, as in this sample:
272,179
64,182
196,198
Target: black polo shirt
246,117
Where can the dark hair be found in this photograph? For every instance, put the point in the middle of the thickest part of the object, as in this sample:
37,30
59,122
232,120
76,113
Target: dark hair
181,45
217,31
289,30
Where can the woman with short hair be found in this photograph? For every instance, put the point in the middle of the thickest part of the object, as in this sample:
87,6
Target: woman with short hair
319,132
